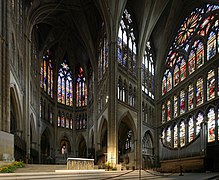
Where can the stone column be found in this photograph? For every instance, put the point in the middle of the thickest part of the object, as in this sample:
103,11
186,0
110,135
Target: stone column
112,146
26,116
39,101
5,70
38,118
95,111
1,61
139,116
73,116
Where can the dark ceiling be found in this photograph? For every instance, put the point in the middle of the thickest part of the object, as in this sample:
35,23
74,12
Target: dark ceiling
67,28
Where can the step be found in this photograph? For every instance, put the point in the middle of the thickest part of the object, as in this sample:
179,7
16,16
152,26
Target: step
40,168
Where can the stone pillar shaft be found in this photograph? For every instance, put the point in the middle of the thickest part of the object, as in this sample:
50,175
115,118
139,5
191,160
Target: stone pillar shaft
112,149
139,118
5,71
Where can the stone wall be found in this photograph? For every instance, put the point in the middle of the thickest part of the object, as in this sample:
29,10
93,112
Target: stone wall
6,146
195,164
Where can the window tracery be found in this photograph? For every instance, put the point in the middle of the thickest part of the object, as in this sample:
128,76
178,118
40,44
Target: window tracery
81,89
65,88
189,76
148,71
46,74
126,44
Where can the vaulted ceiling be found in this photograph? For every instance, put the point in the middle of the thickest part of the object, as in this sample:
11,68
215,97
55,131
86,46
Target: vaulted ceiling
67,27
73,26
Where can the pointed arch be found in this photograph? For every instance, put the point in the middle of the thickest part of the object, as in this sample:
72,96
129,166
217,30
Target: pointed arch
65,86
126,138
81,145
128,119
45,144
148,144
15,108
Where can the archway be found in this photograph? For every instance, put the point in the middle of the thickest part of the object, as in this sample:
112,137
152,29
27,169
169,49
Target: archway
126,141
45,147
102,152
65,146
91,149
15,127
34,154
148,150
82,147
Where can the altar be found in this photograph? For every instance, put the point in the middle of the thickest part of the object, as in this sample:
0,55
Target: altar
80,164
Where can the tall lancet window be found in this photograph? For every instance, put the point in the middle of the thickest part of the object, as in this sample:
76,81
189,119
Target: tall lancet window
211,125
81,89
126,43
148,72
46,73
65,88
102,54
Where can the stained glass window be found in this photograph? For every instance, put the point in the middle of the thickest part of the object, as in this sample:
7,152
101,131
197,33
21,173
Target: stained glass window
182,69
41,74
59,119
120,88
124,90
182,102
218,122
102,55
51,116
63,120
199,92
182,133
188,28
191,129
169,81
218,82
175,137
199,120
126,44
211,125
163,113
200,55
168,134
176,76
67,121
71,122
191,63
80,121
81,89
190,97
65,88
41,104
168,110
46,73
163,136
175,106
164,85
148,72
211,46
189,58
211,85
84,121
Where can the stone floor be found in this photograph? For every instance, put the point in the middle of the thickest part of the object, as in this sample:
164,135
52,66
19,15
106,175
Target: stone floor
48,172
